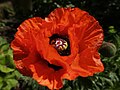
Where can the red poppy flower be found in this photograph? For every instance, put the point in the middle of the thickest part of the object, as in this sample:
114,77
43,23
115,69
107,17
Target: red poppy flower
64,45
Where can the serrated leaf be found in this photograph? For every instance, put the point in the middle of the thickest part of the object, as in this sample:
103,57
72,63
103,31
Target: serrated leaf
5,69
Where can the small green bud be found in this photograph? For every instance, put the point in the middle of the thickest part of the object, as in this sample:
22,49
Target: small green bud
112,30
108,49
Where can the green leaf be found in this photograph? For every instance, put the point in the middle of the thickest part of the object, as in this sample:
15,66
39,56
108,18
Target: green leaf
17,74
1,84
2,24
5,69
2,59
9,61
113,77
10,53
112,30
1,79
96,87
14,74
7,87
10,75
68,88
2,41
4,48
109,81
117,40
11,82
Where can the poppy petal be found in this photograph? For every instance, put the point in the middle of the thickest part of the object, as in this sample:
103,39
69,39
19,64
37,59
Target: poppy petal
89,61
46,76
36,57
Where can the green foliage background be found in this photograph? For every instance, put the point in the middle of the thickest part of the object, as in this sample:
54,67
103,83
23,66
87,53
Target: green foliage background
107,12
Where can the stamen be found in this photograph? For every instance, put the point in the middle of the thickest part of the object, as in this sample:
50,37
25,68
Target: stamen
59,44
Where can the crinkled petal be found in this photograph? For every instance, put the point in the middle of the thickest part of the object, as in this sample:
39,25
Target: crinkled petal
87,63
33,53
47,76
23,45
23,42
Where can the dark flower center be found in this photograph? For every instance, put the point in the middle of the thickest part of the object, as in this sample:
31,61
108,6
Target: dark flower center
56,68
61,44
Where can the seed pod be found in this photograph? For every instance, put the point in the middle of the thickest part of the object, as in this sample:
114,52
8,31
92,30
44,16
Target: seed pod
108,49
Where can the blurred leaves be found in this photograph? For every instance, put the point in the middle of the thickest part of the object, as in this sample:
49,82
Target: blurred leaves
27,83
8,73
